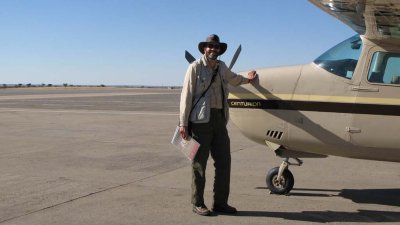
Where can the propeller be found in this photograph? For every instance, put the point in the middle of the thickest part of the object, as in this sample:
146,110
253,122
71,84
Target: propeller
189,57
235,57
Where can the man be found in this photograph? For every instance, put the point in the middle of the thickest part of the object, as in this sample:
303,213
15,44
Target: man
204,107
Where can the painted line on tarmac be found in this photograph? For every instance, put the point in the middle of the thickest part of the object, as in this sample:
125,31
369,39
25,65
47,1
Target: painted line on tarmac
91,194
112,112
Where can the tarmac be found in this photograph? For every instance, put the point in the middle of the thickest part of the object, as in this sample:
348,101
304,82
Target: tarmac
103,156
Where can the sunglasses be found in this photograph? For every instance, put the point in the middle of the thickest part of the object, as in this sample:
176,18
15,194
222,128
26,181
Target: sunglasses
216,46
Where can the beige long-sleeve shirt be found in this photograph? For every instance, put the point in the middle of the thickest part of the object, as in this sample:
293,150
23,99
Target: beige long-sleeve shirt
198,77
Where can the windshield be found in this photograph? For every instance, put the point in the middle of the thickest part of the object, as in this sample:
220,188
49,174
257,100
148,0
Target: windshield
342,59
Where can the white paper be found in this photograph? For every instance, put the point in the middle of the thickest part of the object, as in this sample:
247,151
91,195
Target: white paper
188,147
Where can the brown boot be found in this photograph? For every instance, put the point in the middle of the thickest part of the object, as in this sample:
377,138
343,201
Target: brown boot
201,210
224,209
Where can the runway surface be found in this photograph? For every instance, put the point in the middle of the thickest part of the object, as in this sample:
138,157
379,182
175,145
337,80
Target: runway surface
103,156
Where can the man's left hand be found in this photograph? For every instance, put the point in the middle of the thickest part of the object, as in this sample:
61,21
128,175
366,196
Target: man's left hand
251,75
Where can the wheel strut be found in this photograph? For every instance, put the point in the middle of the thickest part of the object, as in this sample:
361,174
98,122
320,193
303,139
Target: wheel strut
285,165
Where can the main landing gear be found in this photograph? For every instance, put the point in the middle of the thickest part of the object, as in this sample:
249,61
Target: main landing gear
279,179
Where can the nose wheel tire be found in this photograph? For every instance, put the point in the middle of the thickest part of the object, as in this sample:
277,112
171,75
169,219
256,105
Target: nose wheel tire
280,186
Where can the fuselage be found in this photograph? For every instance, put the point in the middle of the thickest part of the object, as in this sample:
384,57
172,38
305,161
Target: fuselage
332,106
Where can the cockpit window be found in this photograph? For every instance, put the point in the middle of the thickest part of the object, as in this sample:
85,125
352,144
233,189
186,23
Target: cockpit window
342,58
385,68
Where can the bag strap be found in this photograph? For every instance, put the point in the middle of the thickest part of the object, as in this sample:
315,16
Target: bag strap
204,92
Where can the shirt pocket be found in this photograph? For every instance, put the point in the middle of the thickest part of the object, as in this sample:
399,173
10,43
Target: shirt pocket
201,83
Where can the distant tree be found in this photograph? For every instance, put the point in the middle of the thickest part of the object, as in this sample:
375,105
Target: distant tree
19,85
29,85
43,84
65,84
102,85
4,85
49,85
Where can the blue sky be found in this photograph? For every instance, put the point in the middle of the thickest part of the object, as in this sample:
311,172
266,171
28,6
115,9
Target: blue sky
142,42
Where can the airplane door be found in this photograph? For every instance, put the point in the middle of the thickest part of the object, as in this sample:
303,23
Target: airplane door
325,100
376,120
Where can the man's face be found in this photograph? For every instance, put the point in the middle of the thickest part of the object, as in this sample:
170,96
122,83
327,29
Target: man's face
212,51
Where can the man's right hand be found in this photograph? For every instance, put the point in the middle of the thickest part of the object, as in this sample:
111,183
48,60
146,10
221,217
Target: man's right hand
183,130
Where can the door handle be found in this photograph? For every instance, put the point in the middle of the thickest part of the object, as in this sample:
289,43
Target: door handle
353,129
364,89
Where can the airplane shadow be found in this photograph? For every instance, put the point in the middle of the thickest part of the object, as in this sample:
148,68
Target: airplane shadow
390,197
328,216
308,194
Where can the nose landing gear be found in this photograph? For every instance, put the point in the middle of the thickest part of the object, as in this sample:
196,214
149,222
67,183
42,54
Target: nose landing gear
279,179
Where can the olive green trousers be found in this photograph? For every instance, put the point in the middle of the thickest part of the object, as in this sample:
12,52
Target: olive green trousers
213,138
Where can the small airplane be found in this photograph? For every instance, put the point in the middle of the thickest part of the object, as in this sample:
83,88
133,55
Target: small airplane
345,103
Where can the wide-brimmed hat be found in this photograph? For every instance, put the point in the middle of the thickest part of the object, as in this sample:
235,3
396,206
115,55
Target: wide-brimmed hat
213,39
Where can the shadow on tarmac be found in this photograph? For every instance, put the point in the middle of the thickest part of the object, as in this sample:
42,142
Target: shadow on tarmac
329,216
389,197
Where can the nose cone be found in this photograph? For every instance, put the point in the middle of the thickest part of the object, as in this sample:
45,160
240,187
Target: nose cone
249,103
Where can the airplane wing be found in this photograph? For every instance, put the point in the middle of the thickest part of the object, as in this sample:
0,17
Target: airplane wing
375,19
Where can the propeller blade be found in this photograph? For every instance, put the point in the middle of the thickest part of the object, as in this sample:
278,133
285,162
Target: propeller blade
235,57
189,57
